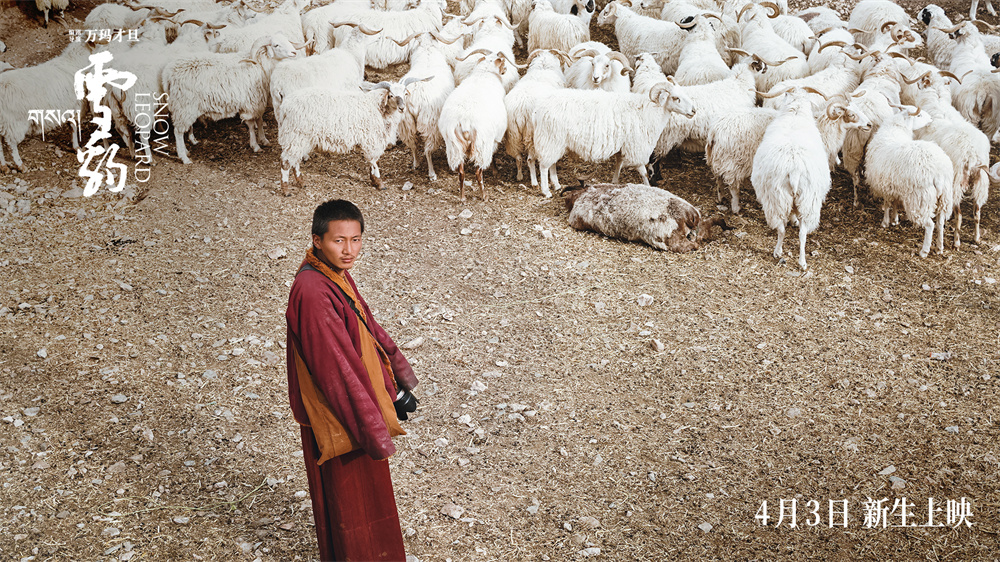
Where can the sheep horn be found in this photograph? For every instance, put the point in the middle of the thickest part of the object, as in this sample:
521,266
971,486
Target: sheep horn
367,30
579,55
886,24
830,108
742,10
473,22
949,30
507,24
738,52
947,74
406,41
211,25
812,90
626,67
512,63
824,31
442,39
199,23
897,35
769,95
854,31
411,80
917,79
832,44
655,91
769,63
712,15
986,25
161,12
689,25
483,52
775,10
534,54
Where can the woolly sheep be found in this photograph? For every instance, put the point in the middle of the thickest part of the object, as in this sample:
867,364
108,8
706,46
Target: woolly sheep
338,121
429,64
868,17
286,21
596,125
790,175
598,68
474,119
639,34
221,85
977,97
46,6
914,175
640,213
396,26
544,76
700,61
548,29
317,23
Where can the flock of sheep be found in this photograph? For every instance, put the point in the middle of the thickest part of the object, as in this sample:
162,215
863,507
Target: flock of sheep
772,98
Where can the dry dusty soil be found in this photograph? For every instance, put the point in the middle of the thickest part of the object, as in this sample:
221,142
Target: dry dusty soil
144,400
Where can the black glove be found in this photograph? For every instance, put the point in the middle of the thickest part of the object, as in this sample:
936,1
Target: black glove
405,403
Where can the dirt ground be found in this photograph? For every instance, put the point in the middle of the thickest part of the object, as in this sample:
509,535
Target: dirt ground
144,400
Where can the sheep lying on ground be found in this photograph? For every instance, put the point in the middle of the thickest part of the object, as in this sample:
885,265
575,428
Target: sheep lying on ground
636,212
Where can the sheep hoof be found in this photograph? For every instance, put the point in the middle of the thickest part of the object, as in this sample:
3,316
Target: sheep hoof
781,261
803,265
923,253
432,178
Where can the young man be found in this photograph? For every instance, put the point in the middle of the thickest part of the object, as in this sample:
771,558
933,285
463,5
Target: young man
344,373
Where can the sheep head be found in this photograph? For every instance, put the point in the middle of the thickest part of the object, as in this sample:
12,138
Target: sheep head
393,95
672,97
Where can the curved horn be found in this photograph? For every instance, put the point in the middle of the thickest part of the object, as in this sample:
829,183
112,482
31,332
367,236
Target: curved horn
769,63
886,24
775,10
199,23
742,10
483,52
947,74
950,29
211,25
367,30
830,108
507,24
512,63
812,90
406,41
832,44
689,25
986,25
824,31
442,39
411,80
774,95
580,54
161,12
626,67
712,15
466,21
917,79
740,52
656,90
855,31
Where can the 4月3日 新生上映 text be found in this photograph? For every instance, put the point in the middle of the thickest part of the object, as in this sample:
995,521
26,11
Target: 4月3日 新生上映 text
883,513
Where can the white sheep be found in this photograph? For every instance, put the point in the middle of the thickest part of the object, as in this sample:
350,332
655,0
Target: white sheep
428,65
638,34
20,93
490,32
939,45
285,20
820,18
342,67
700,61
596,125
869,16
544,76
975,7
317,23
396,25
338,121
967,146
598,68
474,119
221,85
636,212
548,29
116,16
731,144
791,176
784,61
977,97
914,175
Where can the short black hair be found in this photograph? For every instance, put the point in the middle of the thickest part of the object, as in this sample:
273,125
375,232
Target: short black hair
335,210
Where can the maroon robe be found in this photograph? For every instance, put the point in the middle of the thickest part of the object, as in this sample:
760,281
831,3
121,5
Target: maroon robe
353,502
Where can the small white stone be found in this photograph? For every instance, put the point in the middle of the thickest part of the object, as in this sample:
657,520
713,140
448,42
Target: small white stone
414,343
301,494
849,269
887,470
546,234
793,412
478,386
277,253
452,510
590,552
465,214
464,418
407,186
645,300
43,353
706,526
951,429
657,345
119,399
465,231
182,520
440,442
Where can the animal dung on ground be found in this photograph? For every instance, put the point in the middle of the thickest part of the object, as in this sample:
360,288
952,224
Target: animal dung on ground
637,212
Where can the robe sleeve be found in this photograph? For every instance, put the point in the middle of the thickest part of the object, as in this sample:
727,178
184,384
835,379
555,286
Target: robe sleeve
336,365
401,368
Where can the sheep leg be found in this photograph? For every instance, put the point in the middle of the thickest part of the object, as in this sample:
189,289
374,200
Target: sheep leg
543,173
16,156
802,247
734,198
979,208
989,8
958,226
554,177
885,218
431,174
895,216
928,237
520,163
375,175
781,238
641,168
618,168
260,129
482,187
531,171
973,9
194,141
3,161
718,189
940,233
285,169
461,181
76,134
181,149
252,127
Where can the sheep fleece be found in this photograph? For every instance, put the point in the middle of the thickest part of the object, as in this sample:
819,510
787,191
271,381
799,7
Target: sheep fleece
636,212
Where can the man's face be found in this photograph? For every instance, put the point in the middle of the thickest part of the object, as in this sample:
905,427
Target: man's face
340,245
